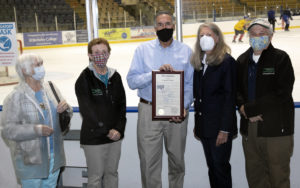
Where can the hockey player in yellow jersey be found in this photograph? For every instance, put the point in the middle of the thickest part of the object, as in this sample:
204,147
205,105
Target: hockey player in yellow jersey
240,27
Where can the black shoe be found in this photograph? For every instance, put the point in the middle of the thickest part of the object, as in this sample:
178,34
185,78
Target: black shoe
241,41
233,41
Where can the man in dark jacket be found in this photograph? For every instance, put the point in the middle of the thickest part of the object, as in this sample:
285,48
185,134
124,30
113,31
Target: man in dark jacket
264,97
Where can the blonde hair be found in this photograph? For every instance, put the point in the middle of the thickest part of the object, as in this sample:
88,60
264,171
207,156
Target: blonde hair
218,53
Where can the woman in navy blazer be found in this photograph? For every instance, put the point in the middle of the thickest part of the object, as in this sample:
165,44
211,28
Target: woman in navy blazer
214,102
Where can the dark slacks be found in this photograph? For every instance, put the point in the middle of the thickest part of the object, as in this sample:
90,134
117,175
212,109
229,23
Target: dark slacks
217,159
272,22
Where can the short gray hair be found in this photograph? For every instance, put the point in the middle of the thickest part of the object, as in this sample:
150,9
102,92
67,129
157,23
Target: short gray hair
24,62
161,13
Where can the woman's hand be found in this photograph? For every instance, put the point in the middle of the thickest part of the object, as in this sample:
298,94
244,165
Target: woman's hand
114,135
222,138
196,135
242,111
43,130
62,106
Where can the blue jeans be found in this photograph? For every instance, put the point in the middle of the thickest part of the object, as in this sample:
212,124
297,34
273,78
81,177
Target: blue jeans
49,182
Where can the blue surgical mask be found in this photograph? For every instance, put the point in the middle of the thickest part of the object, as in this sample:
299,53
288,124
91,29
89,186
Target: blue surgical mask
259,43
39,73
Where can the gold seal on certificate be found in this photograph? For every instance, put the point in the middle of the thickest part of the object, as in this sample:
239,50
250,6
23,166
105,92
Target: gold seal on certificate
167,95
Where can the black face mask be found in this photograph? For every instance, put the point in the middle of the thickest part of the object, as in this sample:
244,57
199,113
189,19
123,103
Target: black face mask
165,34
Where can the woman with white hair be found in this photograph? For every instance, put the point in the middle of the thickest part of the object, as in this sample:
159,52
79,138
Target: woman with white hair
30,124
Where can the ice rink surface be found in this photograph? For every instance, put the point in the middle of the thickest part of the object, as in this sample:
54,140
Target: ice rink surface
63,65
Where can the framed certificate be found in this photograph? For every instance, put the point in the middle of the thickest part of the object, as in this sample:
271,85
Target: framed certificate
167,95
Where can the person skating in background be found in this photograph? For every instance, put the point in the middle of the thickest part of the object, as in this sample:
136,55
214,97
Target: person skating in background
286,17
240,27
271,18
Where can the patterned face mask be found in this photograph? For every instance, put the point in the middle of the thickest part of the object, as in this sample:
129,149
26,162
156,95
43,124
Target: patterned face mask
259,43
100,60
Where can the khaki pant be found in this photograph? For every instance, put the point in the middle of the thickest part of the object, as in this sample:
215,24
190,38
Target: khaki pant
267,159
102,162
151,135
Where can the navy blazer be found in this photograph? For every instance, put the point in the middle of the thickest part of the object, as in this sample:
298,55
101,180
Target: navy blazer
214,99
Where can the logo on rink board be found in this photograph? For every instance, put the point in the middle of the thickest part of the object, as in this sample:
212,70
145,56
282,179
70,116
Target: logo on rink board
8,44
5,43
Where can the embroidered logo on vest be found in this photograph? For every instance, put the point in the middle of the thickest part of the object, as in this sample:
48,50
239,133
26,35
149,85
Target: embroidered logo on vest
97,92
268,71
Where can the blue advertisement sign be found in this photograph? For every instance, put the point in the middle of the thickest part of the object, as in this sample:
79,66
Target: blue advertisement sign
8,44
42,38
5,43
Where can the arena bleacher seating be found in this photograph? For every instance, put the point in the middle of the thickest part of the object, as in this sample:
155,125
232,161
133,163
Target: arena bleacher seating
124,13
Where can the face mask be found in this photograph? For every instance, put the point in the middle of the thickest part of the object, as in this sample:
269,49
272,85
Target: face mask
100,60
259,43
39,73
207,43
165,34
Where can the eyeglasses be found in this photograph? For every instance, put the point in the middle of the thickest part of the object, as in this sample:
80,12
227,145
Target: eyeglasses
100,52
166,25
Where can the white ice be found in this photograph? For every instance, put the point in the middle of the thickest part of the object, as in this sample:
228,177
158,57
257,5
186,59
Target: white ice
63,65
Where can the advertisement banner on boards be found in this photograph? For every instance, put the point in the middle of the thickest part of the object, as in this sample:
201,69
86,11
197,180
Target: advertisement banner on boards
8,44
69,37
143,32
81,36
115,34
42,38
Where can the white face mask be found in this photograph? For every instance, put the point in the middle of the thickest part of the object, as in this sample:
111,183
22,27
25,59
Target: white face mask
39,73
207,43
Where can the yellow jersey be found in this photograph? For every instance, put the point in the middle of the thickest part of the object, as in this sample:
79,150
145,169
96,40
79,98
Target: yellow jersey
241,25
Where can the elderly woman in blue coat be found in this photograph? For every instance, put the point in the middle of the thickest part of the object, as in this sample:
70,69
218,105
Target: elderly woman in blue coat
30,125
214,91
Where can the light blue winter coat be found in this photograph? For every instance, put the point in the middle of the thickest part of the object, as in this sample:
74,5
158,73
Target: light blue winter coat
30,150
